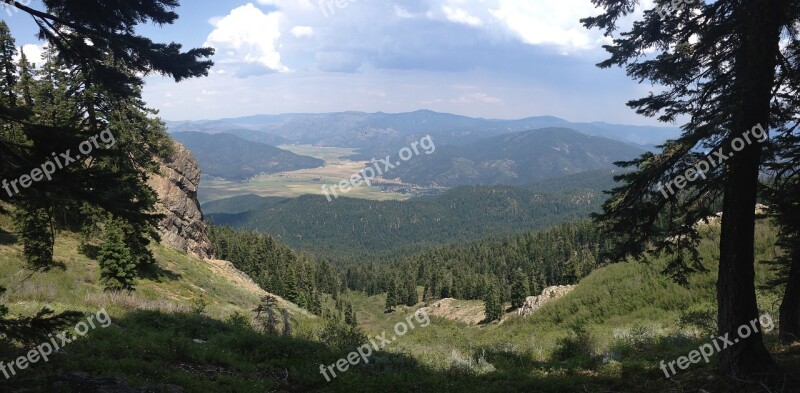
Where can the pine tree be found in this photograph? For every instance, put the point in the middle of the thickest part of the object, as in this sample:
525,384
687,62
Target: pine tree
117,266
492,303
292,293
391,296
519,289
412,297
8,70
37,234
350,316
316,303
722,67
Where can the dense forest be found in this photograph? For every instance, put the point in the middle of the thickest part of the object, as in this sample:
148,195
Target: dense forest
277,269
362,229
557,256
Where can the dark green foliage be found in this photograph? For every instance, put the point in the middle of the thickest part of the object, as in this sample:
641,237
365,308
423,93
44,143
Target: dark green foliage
117,265
341,336
411,297
384,229
519,289
723,69
391,295
36,232
577,347
458,270
230,157
350,315
273,318
275,267
493,303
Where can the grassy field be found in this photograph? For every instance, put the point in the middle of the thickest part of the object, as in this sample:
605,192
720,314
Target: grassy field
302,182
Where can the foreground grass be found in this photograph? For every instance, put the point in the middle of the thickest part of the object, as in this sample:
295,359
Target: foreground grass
189,326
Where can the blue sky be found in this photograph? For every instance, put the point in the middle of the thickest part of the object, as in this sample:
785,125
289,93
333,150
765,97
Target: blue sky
483,58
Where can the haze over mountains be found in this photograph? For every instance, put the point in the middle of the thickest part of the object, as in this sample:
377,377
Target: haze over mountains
469,150
375,132
516,158
230,157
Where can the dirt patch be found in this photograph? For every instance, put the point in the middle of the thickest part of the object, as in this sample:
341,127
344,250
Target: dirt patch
469,312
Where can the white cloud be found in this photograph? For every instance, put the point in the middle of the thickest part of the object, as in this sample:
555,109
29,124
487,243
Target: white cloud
549,22
477,97
247,39
302,31
33,53
402,12
459,15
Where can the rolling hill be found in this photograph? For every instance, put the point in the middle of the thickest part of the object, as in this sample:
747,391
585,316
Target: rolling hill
360,228
230,157
515,158
378,134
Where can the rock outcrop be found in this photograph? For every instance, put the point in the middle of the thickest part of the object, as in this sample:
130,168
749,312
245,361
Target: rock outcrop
176,185
533,303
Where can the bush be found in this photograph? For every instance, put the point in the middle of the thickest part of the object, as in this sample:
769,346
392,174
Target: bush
341,336
578,347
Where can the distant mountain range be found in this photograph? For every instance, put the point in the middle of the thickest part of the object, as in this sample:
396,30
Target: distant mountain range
378,134
515,158
233,158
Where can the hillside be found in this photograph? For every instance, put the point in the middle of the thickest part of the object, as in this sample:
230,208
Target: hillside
378,134
230,157
515,158
367,229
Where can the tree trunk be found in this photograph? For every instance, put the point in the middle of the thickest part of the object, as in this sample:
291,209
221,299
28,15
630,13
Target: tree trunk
790,306
754,70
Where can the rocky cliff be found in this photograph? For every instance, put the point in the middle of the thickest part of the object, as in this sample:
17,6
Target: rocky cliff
176,184
533,303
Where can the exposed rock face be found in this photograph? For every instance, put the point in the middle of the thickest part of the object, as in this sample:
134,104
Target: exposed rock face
533,303
183,227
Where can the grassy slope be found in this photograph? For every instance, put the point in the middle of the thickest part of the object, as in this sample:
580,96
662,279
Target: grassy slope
633,318
629,310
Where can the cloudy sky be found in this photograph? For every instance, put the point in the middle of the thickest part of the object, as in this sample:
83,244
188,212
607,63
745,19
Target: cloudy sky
483,58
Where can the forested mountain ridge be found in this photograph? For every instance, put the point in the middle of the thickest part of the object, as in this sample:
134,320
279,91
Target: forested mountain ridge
515,158
230,157
349,227
378,134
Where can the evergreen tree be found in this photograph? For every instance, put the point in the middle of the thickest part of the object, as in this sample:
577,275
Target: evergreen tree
519,289
117,266
37,234
412,297
391,296
316,304
291,286
350,316
8,70
492,304
721,65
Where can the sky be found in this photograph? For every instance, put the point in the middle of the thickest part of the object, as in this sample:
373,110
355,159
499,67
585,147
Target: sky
482,58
